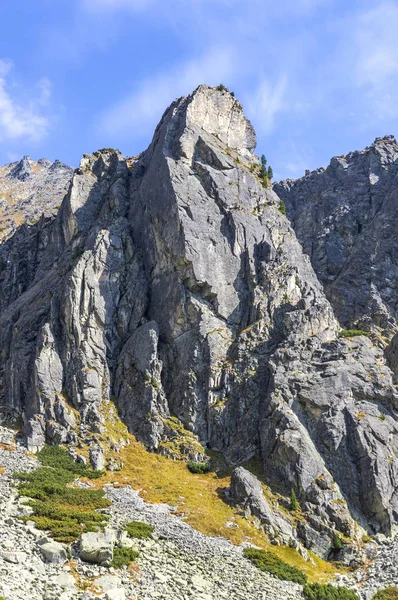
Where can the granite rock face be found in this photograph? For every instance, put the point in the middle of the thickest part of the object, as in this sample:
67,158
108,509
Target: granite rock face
172,285
345,217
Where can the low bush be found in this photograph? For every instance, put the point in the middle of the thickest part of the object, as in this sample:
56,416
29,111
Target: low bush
390,593
123,557
198,467
348,333
319,591
64,511
137,529
266,561
58,457
337,543
282,207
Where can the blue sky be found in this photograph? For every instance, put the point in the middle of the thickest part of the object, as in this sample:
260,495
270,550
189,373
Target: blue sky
317,78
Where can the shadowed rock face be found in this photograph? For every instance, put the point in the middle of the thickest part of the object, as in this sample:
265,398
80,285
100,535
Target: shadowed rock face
172,284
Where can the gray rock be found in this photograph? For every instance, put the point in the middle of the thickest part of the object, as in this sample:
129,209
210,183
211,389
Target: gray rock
97,458
54,553
97,547
345,217
246,490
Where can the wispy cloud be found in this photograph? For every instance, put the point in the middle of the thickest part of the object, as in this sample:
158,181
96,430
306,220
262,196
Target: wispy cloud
139,111
371,55
264,103
22,112
376,41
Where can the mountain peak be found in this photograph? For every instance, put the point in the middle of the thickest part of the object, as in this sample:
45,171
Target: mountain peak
23,169
219,113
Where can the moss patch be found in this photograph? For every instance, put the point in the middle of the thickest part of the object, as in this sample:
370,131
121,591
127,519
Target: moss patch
122,557
139,530
349,333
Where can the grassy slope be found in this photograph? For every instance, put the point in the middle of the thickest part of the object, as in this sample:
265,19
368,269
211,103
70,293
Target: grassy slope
198,498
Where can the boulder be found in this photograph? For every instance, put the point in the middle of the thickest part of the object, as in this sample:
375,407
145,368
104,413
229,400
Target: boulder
97,547
97,458
54,553
246,490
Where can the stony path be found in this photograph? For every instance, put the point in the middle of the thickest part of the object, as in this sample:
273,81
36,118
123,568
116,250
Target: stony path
179,563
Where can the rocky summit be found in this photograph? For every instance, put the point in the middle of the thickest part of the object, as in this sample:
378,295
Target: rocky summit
30,189
172,286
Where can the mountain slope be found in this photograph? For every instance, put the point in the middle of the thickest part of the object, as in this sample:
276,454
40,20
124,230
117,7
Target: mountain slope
172,284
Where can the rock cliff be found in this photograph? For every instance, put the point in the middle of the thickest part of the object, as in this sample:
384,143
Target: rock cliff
345,218
172,285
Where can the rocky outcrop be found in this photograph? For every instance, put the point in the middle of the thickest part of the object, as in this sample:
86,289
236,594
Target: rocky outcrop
172,284
246,490
345,217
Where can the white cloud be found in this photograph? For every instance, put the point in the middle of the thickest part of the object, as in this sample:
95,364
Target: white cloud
137,113
22,118
5,66
376,42
372,56
264,103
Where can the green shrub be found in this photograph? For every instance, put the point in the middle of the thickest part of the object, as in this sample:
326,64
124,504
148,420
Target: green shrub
349,333
222,88
390,593
198,467
137,529
318,591
337,543
58,457
266,561
294,505
64,511
123,557
282,207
